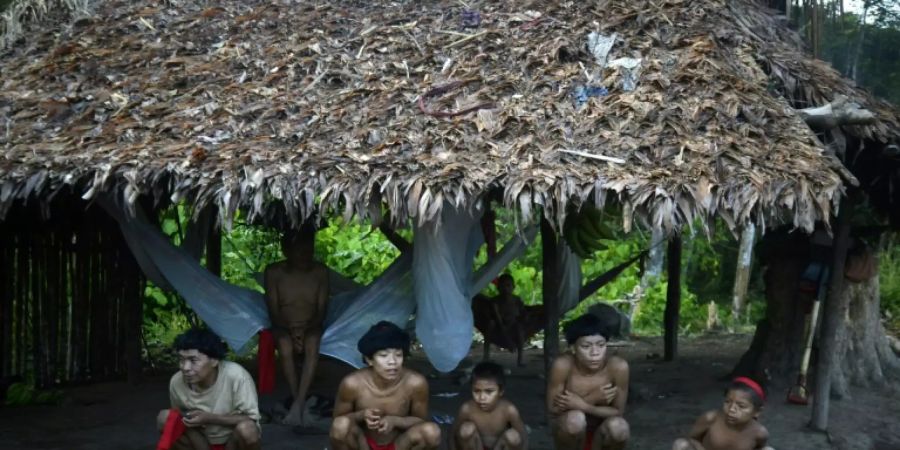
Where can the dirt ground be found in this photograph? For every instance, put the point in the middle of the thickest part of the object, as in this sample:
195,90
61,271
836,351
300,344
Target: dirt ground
665,399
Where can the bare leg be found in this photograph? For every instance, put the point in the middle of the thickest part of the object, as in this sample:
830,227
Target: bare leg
423,436
510,440
245,437
286,355
520,341
568,430
612,434
684,444
346,435
310,359
192,439
467,437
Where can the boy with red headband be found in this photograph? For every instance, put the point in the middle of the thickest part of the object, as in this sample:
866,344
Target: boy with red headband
735,426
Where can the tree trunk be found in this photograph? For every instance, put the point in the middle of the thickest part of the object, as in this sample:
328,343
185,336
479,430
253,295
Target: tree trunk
863,351
775,351
742,274
862,355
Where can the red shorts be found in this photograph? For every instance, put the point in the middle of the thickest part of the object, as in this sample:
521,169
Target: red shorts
376,446
589,439
173,430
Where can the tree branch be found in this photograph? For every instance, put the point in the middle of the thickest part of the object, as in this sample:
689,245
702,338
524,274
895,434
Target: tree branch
838,113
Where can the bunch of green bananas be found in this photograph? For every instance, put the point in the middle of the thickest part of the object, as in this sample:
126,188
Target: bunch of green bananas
584,231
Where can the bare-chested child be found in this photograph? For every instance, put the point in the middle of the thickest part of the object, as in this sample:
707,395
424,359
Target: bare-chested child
587,391
488,421
213,401
383,406
297,295
735,426
507,313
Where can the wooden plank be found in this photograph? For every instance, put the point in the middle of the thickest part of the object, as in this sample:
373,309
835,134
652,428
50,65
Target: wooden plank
673,299
834,310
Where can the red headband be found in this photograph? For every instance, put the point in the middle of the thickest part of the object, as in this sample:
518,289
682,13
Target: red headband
752,385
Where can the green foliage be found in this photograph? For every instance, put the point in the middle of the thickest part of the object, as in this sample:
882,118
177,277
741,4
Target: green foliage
21,394
889,268
354,250
649,315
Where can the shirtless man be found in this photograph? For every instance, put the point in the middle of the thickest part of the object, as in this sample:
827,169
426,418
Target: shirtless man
213,401
383,406
507,311
296,295
733,427
587,391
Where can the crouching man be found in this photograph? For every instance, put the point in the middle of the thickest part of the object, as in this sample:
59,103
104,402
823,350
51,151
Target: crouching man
213,401
383,406
587,391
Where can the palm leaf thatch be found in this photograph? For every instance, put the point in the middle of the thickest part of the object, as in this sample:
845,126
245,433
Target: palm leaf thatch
280,106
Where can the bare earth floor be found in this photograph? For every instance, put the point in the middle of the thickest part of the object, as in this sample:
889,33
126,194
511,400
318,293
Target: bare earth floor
665,399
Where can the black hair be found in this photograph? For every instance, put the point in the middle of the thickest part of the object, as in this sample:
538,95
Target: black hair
755,398
585,325
381,336
202,340
489,371
306,234
506,276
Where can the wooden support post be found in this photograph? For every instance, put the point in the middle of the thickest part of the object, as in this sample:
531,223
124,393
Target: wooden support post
673,298
834,311
214,250
549,286
742,274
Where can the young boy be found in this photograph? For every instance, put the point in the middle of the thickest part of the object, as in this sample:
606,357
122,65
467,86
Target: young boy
587,391
488,421
735,426
383,406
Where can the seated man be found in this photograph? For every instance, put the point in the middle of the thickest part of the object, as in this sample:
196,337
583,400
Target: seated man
213,401
507,315
296,296
383,406
587,391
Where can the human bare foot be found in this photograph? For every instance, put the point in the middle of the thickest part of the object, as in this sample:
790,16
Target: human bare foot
295,415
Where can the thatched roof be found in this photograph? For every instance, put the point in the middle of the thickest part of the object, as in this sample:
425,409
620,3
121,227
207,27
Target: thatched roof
258,104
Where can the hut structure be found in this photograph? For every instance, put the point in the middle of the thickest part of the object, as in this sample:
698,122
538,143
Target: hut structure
678,111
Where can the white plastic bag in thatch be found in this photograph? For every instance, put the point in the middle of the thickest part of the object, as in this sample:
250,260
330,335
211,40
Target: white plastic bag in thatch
599,46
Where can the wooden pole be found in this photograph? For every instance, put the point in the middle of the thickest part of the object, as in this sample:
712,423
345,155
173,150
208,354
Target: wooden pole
673,298
549,287
834,311
742,274
214,250
6,299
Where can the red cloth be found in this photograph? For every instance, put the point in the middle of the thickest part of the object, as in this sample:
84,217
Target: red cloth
172,431
376,446
589,439
266,360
